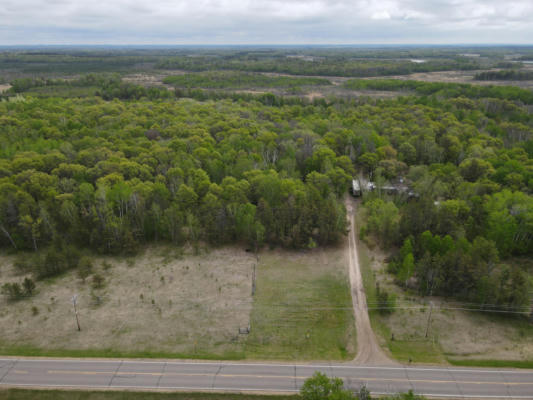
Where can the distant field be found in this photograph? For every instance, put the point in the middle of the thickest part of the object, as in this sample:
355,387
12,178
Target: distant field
458,76
166,303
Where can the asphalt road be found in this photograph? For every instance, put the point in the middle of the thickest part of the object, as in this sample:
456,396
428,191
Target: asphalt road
255,377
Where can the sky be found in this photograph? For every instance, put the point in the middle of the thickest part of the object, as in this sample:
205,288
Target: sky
181,22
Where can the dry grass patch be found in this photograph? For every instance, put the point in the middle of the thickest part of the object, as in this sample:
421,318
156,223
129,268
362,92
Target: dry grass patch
159,301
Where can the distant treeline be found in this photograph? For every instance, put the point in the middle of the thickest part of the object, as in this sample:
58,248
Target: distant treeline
340,61
73,62
110,86
448,90
236,80
505,75
321,66
97,80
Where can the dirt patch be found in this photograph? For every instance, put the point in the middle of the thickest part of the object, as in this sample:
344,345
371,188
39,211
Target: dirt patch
159,301
147,80
249,91
335,80
3,88
314,95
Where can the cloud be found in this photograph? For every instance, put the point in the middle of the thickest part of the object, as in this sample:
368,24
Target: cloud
264,21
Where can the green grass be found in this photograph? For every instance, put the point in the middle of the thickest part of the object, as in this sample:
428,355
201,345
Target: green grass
27,394
301,310
29,351
424,351
492,363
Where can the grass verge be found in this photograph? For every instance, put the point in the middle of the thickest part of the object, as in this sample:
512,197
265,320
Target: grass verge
28,351
492,363
27,394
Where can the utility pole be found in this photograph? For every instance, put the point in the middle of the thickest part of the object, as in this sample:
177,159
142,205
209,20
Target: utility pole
429,317
74,298
253,281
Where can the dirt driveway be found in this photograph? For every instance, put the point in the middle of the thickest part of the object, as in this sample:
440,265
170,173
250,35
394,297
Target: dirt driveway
369,351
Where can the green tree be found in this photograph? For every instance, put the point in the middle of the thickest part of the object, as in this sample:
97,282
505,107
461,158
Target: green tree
407,268
186,197
320,387
473,169
383,220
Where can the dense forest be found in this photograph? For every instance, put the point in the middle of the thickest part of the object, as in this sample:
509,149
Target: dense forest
95,162
504,75
112,175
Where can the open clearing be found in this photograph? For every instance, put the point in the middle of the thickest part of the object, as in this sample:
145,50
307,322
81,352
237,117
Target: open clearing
311,93
452,335
169,303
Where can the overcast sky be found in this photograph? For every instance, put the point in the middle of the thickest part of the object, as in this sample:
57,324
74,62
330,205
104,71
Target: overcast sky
265,21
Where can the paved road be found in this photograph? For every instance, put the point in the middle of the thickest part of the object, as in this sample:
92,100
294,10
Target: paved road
220,376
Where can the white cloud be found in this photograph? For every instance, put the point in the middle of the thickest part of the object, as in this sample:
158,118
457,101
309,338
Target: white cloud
265,21
382,14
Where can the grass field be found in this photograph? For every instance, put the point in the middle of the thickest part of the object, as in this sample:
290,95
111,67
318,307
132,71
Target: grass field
454,336
167,303
23,394
302,308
